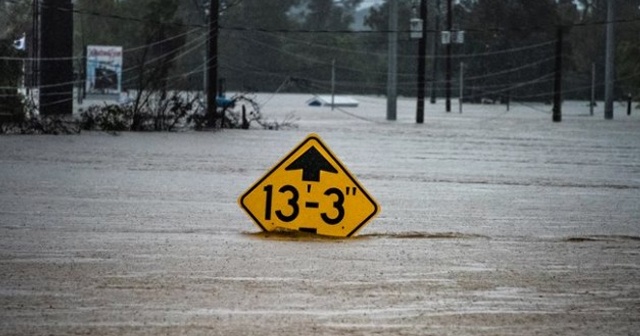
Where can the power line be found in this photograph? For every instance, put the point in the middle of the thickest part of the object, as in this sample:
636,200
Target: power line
337,31
351,69
412,56
386,31
75,58
326,63
542,79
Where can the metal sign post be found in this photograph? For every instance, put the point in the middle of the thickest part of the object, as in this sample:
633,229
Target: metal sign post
449,37
461,84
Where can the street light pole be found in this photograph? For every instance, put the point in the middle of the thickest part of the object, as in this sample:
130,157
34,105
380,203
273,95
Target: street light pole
609,61
422,46
448,65
212,63
435,54
392,66
557,91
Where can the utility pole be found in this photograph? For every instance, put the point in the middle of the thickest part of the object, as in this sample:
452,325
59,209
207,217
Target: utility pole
333,84
422,46
212,63
392,73
592,104
557,90
461,85
435,54
56,52
609,62
34,49
202,8
448,50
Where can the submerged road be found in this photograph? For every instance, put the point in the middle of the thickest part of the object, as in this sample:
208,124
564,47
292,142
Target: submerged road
492,223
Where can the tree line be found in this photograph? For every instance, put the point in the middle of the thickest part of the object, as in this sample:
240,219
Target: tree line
290,45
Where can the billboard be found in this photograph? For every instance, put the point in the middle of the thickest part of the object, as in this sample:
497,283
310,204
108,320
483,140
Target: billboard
104,70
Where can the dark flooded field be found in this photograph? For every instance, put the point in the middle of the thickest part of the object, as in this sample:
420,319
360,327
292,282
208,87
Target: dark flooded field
492,223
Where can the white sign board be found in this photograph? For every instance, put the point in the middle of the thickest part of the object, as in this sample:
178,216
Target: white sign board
416,28
445,37
456,37
104,70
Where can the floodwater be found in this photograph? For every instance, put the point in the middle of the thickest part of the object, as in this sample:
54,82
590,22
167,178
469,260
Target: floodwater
493,222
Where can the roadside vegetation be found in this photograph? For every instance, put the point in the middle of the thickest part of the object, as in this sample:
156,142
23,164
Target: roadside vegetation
508,52
179,112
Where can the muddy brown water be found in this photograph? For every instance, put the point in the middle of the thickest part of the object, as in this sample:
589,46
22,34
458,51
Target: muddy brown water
491,224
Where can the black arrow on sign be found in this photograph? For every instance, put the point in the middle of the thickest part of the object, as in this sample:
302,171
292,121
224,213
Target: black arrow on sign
311,163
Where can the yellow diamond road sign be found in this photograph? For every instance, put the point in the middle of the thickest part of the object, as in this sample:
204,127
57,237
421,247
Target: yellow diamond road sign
309,190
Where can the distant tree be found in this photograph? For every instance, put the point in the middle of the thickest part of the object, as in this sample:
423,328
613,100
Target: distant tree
588,42
259,48
315,52
251,52
499,30
260,52
15,19
164,36
94,23
14,22
629,67
628,47
378,20
11,106
329,14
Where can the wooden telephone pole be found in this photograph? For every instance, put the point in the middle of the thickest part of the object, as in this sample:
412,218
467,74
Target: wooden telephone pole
448,50
422,46
212,63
